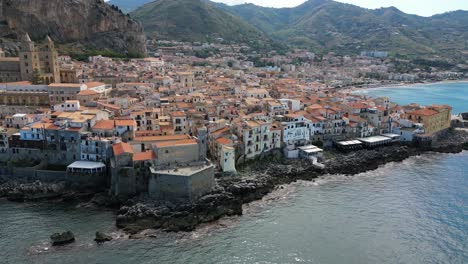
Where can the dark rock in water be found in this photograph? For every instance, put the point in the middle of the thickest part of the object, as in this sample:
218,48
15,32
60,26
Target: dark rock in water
227,197
62,238
105,200
136,236
102,237
16,197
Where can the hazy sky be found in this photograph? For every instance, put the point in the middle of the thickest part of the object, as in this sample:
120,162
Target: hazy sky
419,7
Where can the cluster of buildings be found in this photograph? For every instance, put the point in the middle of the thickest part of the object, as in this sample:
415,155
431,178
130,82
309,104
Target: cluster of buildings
163,127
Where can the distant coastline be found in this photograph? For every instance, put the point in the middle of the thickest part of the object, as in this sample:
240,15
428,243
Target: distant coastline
399,85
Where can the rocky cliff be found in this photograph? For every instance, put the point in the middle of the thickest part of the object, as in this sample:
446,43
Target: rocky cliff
91,23
264,177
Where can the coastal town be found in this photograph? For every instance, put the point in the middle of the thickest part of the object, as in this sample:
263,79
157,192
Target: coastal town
173,126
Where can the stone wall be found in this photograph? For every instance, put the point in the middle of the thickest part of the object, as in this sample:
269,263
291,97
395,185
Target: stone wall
123,181
168,156
181,189
202,183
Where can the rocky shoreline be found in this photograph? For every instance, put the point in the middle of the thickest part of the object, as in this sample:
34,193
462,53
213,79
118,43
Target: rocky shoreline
231,193
262,178
37,191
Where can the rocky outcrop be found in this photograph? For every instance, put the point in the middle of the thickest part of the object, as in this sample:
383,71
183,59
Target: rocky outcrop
366,160
36,191
145,215
22,190
451,141
62,238
264,177
92,23
102,237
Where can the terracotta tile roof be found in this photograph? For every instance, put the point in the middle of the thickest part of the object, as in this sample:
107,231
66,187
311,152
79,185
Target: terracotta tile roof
220,131
125,122
177,114
162,138
144,156
19,83
53,127
223,141
381,109
110,106
94,84
87,92
147,133
66,85
359,106
121,147
175,143
294,115
104,124
41,125
423,112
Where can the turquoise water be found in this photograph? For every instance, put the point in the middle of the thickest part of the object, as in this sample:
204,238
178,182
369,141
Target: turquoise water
415,211
453,94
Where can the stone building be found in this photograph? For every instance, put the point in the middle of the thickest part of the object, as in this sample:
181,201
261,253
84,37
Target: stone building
38,62
70,75
434,118
23,93
185,79
42,59
174,169
61,92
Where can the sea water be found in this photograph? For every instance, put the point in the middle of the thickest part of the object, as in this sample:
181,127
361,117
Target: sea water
415,211
454,94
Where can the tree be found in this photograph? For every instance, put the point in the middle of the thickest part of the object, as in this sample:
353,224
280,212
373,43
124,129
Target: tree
36,78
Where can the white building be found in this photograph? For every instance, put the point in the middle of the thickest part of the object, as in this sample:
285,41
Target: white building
68,106
296,129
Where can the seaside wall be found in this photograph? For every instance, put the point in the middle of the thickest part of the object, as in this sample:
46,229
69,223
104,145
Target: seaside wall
49,176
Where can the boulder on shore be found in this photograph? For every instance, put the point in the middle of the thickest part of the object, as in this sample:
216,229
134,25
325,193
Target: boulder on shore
62,238
102,237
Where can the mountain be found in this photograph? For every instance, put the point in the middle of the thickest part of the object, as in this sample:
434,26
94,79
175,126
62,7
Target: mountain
88,24
326,25
128,6
194,20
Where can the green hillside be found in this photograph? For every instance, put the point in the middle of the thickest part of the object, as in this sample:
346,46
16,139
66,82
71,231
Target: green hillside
326,25
194,20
